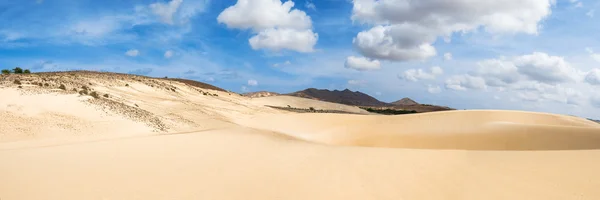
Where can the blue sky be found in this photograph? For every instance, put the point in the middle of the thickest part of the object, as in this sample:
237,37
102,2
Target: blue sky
537,55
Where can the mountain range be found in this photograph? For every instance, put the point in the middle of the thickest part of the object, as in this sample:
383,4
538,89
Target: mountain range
354,98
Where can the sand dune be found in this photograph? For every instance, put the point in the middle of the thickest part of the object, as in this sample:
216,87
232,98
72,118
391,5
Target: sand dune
163,139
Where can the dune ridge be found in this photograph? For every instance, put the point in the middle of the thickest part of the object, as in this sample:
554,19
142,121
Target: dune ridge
212,144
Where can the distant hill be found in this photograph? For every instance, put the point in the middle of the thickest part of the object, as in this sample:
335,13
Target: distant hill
405,102
198,84
260,94
594,120
336,96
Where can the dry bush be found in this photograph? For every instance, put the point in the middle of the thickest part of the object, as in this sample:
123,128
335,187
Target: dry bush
105,95
17,82
62,87
95,95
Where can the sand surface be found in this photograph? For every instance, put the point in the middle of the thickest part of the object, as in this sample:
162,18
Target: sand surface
160,139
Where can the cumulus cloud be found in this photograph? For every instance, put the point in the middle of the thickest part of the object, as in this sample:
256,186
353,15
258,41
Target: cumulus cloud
464,82
405,30
447,56
310,5
277,24
132,53
252,82
168,54
419,74
361,63
278,39
593,77
434,89
537,66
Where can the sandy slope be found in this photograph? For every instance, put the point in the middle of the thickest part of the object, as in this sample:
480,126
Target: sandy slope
62,145
304,103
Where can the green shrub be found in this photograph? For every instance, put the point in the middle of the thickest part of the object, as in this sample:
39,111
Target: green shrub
62,86
5,71
17,70
17,82
26,72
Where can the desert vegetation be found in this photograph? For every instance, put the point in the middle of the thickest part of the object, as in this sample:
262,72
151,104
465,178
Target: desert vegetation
16,70
309,110
388,111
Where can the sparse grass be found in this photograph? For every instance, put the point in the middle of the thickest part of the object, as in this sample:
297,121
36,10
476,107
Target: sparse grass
105,95
95,95
46,84
20,86
40,84
62,87
389,111
17,82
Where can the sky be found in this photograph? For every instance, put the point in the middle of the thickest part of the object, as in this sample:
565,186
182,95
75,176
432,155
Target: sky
533,55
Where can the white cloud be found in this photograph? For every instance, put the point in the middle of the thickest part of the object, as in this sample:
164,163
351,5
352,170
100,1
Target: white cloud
434,89
593,55
277,24
357,82
287,62
464,82
447,56
166,10
132,53
244,88
277,39
576,3
210,79
590,13
544,68
397,42
310,5
252,82
168,54
405,30
419,74
361,63
593,77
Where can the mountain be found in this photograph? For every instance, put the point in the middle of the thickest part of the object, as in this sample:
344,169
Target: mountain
405,102
260,94
336,96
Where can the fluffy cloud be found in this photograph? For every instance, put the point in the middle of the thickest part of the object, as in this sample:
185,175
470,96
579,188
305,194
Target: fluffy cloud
593,77
595,56
361,63
310,5
168,54
398,43
287,62
419,74
447,56
278,39
532,67
465,82
405,30
132,53
590,13
252,82
277,24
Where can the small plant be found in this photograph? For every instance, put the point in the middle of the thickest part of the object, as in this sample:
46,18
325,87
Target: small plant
90,83
17,82
105,95
26,72
85,87
95,95
136,105
204,93
127,85
20,86
62,87
83,92
46,84
40,84
17,70
74,89
5,71
311,108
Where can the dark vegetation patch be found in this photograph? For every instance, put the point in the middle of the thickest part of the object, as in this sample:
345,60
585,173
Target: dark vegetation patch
388,111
